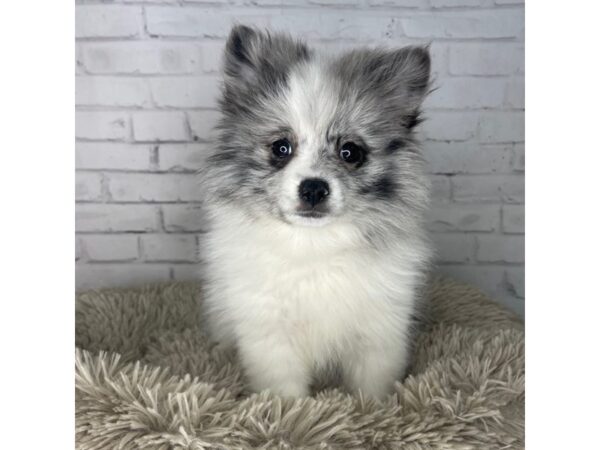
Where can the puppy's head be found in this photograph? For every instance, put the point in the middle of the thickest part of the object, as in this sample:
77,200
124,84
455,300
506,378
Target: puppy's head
311,139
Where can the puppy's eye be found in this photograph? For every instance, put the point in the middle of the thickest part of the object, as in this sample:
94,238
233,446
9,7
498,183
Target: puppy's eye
282,148
351,153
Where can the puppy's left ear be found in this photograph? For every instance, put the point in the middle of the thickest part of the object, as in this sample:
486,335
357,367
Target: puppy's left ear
400,77
404,73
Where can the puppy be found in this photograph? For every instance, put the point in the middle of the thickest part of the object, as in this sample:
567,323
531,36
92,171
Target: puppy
316,251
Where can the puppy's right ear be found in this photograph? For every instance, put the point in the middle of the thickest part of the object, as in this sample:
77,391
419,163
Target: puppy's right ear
254,58
242,52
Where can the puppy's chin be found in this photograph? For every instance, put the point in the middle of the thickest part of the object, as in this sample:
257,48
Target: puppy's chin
308,219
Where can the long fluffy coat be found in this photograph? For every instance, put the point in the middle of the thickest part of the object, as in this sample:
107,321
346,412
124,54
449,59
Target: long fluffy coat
296,294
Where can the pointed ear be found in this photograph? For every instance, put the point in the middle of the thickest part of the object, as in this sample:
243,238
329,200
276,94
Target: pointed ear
403,74
396,80
252,56
242,51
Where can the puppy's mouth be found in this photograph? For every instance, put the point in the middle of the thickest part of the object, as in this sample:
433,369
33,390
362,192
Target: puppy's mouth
312,214
308,218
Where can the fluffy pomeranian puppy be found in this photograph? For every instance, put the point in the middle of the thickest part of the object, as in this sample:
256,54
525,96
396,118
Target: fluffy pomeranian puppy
315,191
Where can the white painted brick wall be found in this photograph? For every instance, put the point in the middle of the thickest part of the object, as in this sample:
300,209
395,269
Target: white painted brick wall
181,157
146,84
171,248
141,57
150,126
110,247
97,21
102,125
112,92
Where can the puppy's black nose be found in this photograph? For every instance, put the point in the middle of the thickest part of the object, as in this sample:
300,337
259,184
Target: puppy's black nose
313,191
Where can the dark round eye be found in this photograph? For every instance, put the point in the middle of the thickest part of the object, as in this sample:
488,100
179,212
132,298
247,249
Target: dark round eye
282,148
351,153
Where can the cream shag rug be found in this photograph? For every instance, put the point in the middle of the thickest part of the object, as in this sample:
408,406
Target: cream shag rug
146,378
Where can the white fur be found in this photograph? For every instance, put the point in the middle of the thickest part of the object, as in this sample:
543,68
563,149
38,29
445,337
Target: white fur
309,105
298,295
293,299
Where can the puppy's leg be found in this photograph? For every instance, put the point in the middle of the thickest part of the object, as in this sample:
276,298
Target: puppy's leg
270,362
375,369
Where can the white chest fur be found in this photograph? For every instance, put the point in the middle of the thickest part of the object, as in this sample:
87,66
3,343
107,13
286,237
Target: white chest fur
319,293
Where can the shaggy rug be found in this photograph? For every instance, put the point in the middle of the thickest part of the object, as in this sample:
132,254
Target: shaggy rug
147,378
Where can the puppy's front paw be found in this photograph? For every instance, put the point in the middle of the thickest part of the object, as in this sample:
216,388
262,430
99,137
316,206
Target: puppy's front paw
271,364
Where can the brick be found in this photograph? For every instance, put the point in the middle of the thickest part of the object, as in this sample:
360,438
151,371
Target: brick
79,68
473,92
438,53
466,25
110,247
333,2
112,91
454,247
463,217
110,155
179,218
365,28
94,276
453,158
449,126
150,58
515,279
98,21
209,2
513,219
166,247
311,26
186,272
397,3
102,125
488,188
515,93
260,19
107,217
273,2
202,124
159,187
499,126
88,186
168,2
440,188
330,25
486,58
187,22
334,47
438,4
198,92
181,157
518,160
501,248
456,3
212,56
160,126
78,250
